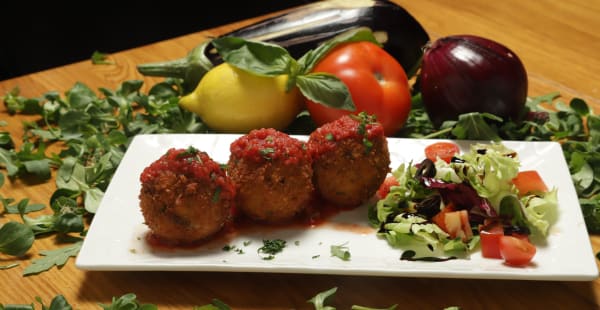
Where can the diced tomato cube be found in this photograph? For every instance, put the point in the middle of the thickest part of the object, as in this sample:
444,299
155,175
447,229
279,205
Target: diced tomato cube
490,240
516,251
384,188
528,181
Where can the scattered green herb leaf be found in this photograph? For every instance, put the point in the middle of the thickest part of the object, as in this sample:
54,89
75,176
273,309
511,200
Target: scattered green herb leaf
9,266
216,304
15,238
341,251
127,302
319,300
266,152
57,257
99,58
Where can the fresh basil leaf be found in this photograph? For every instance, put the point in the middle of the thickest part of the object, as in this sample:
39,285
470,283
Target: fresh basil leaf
256,57
327,90
15,238
312,57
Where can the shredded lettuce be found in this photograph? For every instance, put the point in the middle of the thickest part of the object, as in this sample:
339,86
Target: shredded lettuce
400,197
489,169
479,180
541,211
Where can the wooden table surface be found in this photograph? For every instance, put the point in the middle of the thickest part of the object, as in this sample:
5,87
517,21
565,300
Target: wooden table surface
559,43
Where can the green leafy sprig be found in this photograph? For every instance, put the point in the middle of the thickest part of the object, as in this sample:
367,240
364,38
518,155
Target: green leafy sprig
267,59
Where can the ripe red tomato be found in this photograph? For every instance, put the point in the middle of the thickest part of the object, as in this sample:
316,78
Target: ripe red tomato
516,251
376,81
443,150
529,181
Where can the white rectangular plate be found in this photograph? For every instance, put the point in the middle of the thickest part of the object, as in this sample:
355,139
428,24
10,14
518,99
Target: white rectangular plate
116,238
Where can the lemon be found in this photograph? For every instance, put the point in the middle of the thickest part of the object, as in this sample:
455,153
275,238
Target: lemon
229,99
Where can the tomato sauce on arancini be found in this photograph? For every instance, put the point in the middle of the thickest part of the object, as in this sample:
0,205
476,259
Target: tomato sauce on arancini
185,196
350,159
272,172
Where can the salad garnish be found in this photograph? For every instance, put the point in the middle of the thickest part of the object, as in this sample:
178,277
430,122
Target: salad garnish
439,207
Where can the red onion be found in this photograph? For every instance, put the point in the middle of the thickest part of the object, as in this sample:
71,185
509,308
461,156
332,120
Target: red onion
466,73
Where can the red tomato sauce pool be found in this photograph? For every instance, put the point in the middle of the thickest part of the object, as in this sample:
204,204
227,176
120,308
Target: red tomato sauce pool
318,213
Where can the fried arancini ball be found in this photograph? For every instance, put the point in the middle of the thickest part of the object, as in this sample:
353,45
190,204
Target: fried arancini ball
350,159
185,197
273,175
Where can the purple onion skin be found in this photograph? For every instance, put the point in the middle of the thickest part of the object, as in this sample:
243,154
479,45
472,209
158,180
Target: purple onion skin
466,73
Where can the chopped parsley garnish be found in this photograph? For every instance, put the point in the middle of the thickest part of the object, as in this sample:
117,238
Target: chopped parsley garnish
190,151
235,248
368,145
266,152
271,247
191,154
364,120
216,195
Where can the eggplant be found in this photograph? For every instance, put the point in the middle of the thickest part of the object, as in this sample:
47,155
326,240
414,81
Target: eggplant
304,28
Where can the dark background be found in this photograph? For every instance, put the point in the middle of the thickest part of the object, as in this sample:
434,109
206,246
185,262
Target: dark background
37,36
